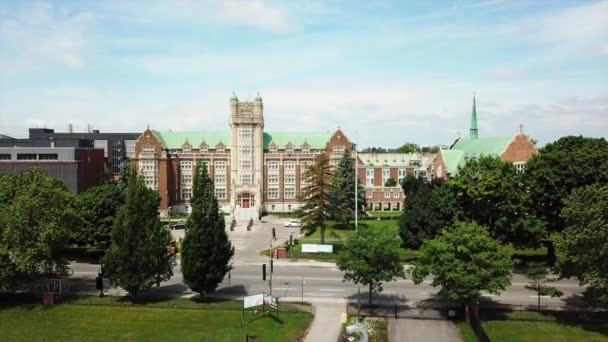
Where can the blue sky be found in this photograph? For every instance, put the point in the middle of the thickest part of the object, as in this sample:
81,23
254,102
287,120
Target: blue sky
392,71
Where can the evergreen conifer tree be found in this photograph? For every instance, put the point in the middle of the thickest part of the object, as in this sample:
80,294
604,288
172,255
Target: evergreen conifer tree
137,257
342,191
206,250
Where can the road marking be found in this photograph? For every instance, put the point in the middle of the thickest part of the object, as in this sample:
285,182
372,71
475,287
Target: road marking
532,296
280,288
318,294
331,290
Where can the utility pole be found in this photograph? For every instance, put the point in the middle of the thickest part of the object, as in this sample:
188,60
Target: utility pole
356,183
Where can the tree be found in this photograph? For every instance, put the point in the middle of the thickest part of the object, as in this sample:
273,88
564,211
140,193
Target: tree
125,174
98,208
37,215
581,247
491,193
138,257
342,191
390,182
562,166
316,196
408,148
430,149
464,261
411,186
370,257
426,214
206,250
538,280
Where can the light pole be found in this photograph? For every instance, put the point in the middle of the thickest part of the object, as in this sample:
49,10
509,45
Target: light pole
356,184
303,282
169,216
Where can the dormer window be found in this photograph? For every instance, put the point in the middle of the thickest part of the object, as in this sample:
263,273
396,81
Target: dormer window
305,148
186,147
273,148
220,147
338,150
289,148
204,147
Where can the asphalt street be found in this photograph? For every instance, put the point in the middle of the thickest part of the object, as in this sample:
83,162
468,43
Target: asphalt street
316,282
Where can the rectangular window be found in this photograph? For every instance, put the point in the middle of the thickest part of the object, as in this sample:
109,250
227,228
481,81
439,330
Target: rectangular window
5,156
186,194
402,174
386,175
245,164
273,165
289,165
219,179
520,167
290,192
148,150
185,165
245,179
338,150
395,195
387,195
27,156
369,173
290,178
220,193
304,165
368,194
149,170
48,156
273,193
273,178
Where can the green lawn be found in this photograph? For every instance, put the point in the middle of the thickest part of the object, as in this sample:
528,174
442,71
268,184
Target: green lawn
70,322
395,214
524,331
466,332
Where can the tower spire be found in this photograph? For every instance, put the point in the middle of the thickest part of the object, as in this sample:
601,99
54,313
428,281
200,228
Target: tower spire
473,132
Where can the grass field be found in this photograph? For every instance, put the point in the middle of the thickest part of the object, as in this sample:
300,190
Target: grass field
71,322
526,331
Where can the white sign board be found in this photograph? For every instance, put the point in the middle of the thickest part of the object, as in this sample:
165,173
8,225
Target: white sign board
310,248
255,300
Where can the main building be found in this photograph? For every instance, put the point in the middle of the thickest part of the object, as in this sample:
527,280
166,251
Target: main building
253,171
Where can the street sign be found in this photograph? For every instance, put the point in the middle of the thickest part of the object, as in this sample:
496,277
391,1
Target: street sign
251,301
270,301
311,248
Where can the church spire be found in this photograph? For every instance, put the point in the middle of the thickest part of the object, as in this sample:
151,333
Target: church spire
473,132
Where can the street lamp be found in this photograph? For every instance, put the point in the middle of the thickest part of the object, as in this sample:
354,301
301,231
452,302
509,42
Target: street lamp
169,216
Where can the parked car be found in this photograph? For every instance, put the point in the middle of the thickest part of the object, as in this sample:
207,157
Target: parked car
293,223
179,225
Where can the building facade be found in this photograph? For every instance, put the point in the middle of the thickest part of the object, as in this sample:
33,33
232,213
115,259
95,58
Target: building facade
117,147
378,170
253,171
518,149
78,168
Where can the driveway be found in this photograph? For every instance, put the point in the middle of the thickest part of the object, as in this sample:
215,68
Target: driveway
407,330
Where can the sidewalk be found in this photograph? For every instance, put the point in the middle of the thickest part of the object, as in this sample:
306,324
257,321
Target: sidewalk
287,262
326,324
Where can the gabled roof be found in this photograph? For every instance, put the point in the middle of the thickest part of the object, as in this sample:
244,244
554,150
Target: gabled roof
452,160
493,146
175,140
316,141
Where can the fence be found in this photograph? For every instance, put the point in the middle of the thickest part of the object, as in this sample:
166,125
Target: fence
570,314
437,311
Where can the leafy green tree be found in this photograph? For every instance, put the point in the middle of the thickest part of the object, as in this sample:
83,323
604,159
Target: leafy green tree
582,250
390,182
430,149
408,148
316,196
342,191
411,186
426,214
206,250
464,261
562,166
37,214
538,283
490,193
125,173
138,257
98,208
371,257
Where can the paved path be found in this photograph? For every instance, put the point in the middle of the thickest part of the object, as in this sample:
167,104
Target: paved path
411,330
326,325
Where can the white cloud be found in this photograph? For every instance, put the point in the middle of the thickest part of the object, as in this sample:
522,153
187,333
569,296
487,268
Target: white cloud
40,35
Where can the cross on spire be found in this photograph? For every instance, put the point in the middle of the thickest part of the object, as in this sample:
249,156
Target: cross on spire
521,128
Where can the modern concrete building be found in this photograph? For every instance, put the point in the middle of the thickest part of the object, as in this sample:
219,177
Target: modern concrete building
78,168
254,171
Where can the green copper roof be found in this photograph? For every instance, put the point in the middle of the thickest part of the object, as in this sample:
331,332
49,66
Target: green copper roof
493,146
316,141
175,140
452,160
473,131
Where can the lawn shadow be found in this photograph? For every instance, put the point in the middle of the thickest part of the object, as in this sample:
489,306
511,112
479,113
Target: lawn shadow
235,290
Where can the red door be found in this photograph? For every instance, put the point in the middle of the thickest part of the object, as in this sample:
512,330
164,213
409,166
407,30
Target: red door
245,202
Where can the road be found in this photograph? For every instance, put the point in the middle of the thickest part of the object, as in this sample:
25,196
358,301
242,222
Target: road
313,281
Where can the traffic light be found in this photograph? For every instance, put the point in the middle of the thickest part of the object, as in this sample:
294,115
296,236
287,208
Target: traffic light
291,240
263,271
274,234
271,266
99,283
